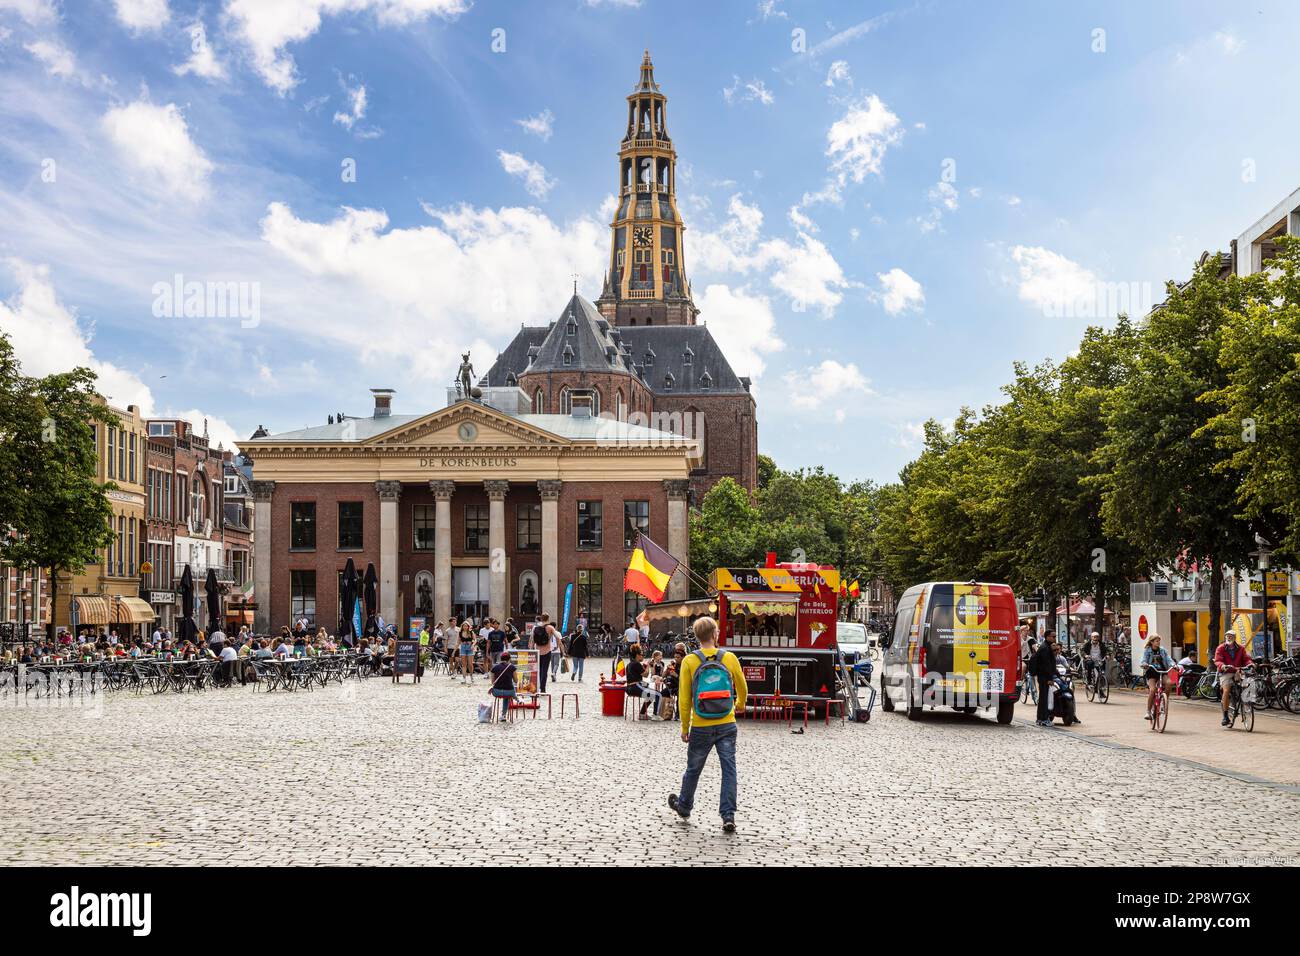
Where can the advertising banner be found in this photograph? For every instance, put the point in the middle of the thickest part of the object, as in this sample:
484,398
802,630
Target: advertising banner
525,661
417,623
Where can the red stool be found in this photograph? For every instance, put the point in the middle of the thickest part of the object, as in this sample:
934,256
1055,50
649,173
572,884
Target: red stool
577,711
835,702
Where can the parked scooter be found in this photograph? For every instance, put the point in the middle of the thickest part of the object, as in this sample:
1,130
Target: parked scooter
1061,695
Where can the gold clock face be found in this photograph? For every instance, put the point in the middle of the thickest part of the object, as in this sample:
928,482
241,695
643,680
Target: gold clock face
641,237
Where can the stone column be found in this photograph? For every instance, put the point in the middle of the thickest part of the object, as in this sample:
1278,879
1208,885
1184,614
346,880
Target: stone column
262,491
497,601
442,492
679,539
389,494
550,492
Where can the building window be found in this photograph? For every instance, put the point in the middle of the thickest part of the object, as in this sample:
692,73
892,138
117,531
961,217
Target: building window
302,525
528,524
350,526
476,529
302,590
121,455
568,355
423,524
633,604
668,382
706,381
591,596
589,525
571,328
112,452
649,358
133,471
130,547
636,520
687,356
121,544
539,403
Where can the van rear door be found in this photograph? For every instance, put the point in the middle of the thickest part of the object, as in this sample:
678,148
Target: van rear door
968,637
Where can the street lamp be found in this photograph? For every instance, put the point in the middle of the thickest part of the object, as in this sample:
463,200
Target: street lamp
1262,554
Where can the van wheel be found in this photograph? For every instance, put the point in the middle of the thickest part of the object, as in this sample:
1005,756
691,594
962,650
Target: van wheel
967,710
914,710
1005,710
886,702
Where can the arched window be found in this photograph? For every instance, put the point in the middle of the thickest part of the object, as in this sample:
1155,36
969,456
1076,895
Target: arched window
620,407
694,427
539,402
566,402
511,380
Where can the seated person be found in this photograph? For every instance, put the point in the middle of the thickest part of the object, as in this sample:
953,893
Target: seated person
503,682
636,686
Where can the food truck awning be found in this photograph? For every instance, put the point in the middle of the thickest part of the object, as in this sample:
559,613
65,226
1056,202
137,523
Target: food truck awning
672,610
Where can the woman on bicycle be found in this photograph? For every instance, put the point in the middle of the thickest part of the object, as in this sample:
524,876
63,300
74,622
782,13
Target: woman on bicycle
1154,659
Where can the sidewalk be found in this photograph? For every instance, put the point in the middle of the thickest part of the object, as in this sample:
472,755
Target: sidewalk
1193,733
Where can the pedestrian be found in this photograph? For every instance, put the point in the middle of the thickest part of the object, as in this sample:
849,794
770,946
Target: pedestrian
712,690
544,641
578,653
503,683
466,657
1043,668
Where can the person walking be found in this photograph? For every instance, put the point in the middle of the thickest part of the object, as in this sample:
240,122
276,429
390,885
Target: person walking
711,691
544,640
578,653
1043,667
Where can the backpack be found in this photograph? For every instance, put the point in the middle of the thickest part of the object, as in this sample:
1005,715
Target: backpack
541,637
711,690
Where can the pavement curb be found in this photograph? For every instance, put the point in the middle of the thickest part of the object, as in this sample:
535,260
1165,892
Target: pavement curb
1168,758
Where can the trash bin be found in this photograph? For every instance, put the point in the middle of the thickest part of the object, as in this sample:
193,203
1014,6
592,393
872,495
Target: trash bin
611,699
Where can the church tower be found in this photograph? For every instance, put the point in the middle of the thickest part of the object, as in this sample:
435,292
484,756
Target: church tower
645,283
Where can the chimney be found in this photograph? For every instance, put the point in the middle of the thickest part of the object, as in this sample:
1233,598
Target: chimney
383,401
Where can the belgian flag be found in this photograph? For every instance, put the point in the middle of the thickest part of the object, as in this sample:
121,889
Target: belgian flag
650,570
854,589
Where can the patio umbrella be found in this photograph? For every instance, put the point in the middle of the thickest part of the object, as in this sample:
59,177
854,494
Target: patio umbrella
214,601
187,629
371,595
348,599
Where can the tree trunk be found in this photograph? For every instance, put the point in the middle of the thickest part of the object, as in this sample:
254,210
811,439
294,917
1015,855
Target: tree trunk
1216,613
54,595
1051,616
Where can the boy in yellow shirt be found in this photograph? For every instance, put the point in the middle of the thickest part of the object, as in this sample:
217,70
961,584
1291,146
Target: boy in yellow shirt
703,733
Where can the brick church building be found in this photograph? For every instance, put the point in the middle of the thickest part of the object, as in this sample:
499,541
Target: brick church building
607,422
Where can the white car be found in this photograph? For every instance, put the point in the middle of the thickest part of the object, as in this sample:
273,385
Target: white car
854,640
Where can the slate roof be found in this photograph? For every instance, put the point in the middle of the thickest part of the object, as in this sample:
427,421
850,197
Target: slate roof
664,346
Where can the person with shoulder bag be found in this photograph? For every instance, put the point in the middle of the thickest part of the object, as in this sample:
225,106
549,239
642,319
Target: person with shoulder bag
544,642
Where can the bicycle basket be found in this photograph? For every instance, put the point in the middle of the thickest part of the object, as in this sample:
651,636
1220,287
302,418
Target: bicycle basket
1251,692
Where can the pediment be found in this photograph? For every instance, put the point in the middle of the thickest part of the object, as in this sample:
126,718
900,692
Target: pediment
486,427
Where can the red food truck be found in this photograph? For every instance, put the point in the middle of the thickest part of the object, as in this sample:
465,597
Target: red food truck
779,621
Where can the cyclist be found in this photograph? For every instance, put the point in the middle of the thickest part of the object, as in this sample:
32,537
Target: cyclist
1230,657
1094,656
1154,659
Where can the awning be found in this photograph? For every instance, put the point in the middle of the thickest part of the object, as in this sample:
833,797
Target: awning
132,610
91,609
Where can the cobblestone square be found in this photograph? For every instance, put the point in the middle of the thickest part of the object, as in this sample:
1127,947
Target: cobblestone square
375,773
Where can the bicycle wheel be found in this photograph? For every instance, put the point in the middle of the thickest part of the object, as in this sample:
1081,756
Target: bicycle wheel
1090,688
1290,694
1162,713
1103,688
1248,716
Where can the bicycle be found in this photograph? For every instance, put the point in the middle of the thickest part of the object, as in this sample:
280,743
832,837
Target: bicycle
1159,715
1238,705
1028,686
1097,685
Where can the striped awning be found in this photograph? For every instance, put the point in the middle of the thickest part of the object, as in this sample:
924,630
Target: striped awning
132,610
92,609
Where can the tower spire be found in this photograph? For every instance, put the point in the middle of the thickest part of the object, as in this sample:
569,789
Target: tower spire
647,83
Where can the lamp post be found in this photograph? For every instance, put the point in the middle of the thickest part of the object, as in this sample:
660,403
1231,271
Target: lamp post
1262,554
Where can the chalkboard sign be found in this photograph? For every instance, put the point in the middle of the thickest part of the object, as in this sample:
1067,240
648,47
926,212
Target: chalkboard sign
407,659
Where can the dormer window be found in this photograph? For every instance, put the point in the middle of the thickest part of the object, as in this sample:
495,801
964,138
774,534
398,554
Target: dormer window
668,382
511,380
649,358
688,356
706,381
571,328
568,355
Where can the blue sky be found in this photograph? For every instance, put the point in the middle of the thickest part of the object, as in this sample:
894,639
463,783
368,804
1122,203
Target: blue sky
886,205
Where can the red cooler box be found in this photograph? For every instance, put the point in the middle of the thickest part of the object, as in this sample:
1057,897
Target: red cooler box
611,699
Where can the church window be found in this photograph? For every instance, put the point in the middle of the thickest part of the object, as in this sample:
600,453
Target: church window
688,357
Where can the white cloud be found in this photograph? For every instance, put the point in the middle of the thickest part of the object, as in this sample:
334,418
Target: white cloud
1050,281
532,174
47,339
608,206
35,13
154,140
743,325
942,196
202,62
828,382
752,91
220,431
58,59
539,125
856,144
356,99
268,28
800,220
838,73
140,15
899,292
1229,43
768,9
1011,200
805,271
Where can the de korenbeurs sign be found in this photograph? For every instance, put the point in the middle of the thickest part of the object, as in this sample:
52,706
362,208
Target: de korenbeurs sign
469,461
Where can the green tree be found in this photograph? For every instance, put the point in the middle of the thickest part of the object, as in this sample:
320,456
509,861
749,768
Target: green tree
1167,488
766,470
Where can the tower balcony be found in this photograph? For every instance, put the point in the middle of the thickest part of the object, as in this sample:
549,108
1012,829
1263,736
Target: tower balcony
641,293
646,142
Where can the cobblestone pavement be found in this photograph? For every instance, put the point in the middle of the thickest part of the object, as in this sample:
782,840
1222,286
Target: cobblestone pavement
375,773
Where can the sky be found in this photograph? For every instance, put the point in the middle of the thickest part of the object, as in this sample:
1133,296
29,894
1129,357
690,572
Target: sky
886,205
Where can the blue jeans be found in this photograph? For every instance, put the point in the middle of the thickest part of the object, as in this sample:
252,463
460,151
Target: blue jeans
555,664
704,739
577,663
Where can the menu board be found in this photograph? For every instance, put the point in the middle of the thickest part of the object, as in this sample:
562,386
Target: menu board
407,658
525,661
